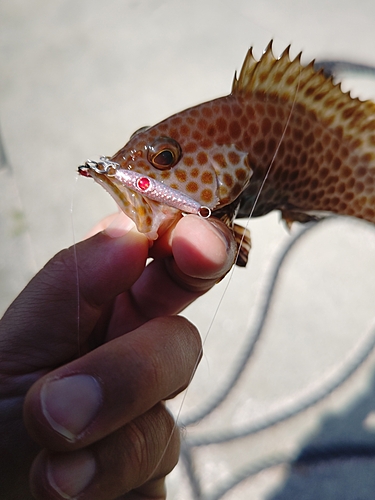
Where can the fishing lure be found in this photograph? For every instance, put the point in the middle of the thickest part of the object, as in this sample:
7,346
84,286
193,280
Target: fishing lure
147,186
285,138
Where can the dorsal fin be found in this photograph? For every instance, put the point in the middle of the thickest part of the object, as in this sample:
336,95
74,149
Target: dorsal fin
289,81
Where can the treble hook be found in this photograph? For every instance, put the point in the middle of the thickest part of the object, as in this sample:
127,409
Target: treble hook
103,166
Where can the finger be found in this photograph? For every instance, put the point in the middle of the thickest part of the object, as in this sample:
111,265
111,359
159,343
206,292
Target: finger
118,219
203,248
203,252
97,394
63,302
137,456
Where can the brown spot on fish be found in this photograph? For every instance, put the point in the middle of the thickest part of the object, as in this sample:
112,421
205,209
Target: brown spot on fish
211,130
226,110
181,175
254,128
250,112
359,187
188,161
228,180
348,112
202,158
367,158
206,143
336,164
223,191
221,124
176,121
163,127
272,145
192,187
207,112
234,130
236,109
348,196
234,157
236,190
220,160
259,108
369,213
344,151
266,126
361,171
328,156
259,147
244,122
241,174
346,171
271,111
297,134
277,129
207,178
190,147
247,141
263,77
308,140
202,124
207,195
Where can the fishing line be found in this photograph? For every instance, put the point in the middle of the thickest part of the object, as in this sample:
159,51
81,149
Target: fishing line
78,324
17,248
230,274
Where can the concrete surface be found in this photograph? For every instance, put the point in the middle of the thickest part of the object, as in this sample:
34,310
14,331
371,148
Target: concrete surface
76,79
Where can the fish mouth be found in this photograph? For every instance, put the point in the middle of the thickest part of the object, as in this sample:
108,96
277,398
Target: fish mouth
150,217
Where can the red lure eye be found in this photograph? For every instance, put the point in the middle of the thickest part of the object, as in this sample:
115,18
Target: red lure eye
164,153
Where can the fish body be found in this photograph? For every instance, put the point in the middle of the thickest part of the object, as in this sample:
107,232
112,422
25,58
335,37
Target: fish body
285,138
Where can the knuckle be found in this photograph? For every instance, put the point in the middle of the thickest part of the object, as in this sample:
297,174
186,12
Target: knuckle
134,456
152,443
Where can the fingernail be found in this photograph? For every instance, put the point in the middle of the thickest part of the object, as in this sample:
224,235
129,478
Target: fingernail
71,403
224,236
70,474
120,226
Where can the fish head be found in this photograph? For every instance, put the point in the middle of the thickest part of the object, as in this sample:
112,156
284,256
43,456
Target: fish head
179,153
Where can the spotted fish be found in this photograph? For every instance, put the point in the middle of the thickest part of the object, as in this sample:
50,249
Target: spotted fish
285,138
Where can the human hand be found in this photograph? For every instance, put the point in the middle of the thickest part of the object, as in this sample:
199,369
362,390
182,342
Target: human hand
89,363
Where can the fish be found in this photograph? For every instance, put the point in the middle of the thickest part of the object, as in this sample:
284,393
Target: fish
286,138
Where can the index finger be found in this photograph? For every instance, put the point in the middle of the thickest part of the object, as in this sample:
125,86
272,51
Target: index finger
60,307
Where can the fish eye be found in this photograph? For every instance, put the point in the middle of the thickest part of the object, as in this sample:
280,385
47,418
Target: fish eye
142,129
164,153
